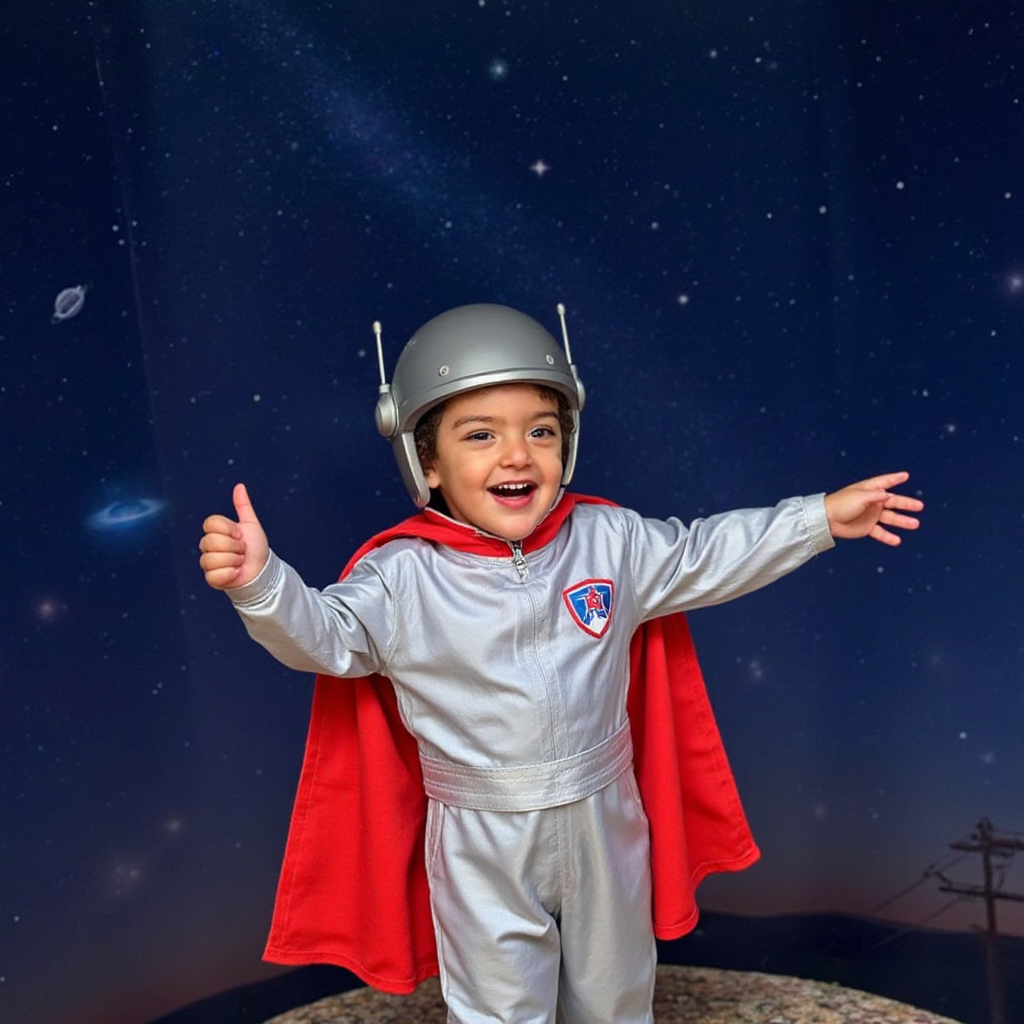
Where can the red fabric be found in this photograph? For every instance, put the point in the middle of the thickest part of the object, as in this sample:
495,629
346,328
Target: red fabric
353,887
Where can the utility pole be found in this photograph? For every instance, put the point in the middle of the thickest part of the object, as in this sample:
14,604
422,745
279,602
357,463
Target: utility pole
990,846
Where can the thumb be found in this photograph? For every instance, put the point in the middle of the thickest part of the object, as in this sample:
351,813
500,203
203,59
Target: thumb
243,506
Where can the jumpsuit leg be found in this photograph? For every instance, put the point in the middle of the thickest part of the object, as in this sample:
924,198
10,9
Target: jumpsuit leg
493,888
609,955
543,909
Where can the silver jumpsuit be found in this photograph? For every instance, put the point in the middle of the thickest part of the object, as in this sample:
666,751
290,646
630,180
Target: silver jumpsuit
512,675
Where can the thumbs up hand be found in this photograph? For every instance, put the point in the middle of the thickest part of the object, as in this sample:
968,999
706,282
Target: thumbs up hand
233,553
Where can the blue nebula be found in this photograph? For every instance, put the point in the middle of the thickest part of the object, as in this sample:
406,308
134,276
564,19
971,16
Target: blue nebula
121,516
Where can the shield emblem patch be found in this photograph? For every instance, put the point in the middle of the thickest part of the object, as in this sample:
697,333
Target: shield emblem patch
590,604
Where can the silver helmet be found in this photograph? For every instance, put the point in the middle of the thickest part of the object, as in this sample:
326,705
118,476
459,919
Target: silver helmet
466,348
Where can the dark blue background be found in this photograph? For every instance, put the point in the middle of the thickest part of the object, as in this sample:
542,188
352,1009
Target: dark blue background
790,237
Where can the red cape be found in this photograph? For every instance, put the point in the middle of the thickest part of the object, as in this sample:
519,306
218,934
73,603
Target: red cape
353,887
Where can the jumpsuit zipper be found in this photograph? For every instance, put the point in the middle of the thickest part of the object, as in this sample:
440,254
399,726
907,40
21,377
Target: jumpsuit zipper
519,561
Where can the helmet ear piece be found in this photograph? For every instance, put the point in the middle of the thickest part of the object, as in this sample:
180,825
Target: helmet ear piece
581,392
404,445
386,413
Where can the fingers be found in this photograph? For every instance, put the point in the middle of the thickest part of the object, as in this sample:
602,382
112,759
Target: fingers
222,558
885,481
221,535
866,508
883,484
222,579
904,502
243,506
233,553
890,518
216,542
883,536
218,524
223,548
878,492
221,568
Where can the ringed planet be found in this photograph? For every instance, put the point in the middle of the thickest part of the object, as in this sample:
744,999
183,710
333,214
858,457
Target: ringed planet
125,515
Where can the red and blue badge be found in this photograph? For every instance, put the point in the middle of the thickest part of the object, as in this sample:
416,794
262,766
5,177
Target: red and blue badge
590,604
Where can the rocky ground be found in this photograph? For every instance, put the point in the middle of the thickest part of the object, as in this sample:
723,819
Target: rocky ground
684,995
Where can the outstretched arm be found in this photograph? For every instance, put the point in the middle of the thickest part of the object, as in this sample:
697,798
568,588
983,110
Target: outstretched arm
334,631
233,553
866,508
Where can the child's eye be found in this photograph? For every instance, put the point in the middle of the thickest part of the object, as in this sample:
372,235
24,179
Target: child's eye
542,432
479,435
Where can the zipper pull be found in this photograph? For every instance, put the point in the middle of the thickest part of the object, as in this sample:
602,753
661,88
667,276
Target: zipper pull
519,561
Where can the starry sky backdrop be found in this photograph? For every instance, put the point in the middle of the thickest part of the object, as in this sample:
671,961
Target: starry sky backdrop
790,237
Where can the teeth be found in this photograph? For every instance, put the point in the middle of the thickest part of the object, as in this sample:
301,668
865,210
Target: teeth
512,489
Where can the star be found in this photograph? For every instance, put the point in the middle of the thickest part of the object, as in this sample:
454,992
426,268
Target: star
540,168
49,609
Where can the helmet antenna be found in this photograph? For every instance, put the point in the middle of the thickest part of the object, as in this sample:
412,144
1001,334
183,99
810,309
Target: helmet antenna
386,413
565,333
380,356
580,393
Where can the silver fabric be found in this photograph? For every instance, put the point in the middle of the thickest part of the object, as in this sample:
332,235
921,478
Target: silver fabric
530,787
566,921
494,672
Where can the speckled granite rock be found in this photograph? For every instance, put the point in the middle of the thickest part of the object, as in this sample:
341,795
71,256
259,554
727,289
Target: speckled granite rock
684,995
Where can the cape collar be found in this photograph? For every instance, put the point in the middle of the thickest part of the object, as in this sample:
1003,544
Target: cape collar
441,529
464,537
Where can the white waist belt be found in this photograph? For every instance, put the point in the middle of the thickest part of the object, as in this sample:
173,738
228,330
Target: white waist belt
529,787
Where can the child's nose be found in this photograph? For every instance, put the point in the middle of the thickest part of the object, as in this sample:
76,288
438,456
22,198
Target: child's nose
516,452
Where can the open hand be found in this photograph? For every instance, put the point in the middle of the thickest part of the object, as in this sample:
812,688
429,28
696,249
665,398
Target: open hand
866,508
233,553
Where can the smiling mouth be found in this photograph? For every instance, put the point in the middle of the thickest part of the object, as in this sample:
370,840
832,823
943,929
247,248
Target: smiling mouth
517,490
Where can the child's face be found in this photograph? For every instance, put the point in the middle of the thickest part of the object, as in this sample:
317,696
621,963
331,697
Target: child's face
499,458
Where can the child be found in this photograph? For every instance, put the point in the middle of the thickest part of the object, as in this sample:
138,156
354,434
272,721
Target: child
519,657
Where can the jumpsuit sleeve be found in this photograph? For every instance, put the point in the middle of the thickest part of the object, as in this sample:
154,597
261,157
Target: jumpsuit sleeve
718,558
343,630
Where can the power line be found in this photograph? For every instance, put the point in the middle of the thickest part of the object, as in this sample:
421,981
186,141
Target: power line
997,852
896,897
926,876
917,924
991,846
